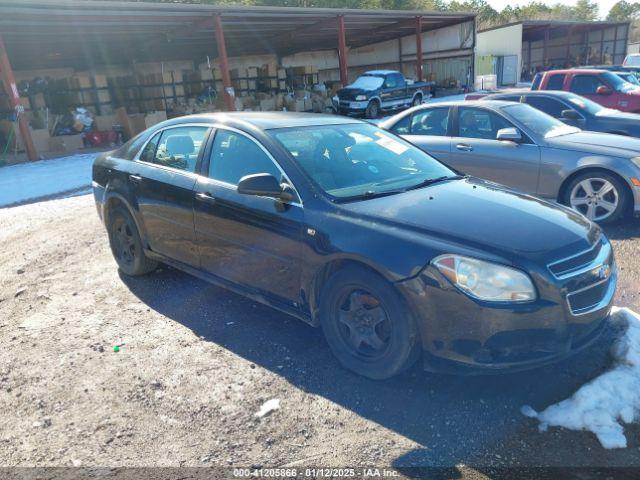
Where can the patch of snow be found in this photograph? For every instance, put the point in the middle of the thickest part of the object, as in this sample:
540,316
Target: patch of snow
45,178
608,401
268,407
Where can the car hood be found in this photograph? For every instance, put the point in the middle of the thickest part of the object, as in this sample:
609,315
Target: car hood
481,215
352,91
598,143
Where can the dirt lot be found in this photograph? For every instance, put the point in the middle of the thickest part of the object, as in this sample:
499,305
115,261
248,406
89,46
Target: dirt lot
197,362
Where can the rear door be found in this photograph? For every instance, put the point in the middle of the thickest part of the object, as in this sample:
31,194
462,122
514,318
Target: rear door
428,129
475,150
163,182
248,240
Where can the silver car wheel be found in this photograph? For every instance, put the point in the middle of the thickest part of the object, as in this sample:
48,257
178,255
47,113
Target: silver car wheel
596,198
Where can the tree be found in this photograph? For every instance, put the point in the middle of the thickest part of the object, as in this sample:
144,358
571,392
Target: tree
623,11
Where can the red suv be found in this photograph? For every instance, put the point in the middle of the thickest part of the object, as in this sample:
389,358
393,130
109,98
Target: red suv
601,86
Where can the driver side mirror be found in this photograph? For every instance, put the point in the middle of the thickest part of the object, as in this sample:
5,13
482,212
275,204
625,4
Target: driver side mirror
509,135
603,90
570,114
264,185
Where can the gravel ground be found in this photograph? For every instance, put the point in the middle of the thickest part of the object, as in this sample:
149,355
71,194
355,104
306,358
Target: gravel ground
196,362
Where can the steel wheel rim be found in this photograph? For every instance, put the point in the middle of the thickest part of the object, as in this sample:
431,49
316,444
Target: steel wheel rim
596,198
363,324
374,109
125,245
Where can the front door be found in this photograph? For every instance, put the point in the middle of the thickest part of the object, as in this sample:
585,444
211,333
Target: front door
163,185
248,240
475,151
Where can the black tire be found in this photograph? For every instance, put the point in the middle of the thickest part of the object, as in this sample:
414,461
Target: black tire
373,109
618,194
126,244
417,100
385,341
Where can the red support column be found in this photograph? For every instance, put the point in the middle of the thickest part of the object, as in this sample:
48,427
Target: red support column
342,52
14,98
224,65
419,48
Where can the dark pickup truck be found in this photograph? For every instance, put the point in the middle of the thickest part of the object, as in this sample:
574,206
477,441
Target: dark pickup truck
380,90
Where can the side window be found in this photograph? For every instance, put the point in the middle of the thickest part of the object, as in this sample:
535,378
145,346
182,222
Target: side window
233,156
179,147
555,82
390,81
400,82
585,84
129,150
430,122
403,126
476,123
549,106
149,151
510,98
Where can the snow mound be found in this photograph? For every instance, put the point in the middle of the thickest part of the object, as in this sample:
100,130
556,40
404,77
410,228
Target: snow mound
608,401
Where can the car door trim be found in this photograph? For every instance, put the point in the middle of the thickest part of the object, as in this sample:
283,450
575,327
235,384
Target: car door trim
205,164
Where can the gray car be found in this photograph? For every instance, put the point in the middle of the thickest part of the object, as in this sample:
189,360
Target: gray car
597,174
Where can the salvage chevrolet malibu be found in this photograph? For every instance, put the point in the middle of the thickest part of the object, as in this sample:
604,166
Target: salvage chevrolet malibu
353,229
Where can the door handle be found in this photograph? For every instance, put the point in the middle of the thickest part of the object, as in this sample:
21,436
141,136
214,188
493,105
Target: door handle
464,147
206,198
135,178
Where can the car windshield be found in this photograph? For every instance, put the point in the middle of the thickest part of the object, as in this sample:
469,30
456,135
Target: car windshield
356,160
618,84
368,82
632,61
537,121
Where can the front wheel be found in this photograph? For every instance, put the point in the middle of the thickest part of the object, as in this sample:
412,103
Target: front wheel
367,325
599,196
373,109
126,244
417,100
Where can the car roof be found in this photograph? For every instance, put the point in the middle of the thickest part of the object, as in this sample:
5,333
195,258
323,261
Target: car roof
575,70
532,93
464,103
380,72
263,120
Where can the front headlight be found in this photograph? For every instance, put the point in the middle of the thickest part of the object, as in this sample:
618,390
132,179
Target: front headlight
360,98
486,281
636,161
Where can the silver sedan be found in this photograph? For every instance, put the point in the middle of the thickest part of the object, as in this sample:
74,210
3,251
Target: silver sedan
597,174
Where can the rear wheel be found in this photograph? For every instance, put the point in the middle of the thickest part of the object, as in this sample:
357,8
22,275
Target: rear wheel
599,196
126,244
367,325
373,109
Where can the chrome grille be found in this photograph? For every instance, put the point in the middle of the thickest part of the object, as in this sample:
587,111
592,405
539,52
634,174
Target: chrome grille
589,277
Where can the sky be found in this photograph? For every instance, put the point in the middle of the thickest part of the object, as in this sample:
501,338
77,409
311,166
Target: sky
605,5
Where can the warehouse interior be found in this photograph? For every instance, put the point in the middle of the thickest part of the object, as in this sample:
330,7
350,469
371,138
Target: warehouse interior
72,69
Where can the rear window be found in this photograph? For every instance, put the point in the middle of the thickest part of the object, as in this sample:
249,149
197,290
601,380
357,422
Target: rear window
555,82
535,85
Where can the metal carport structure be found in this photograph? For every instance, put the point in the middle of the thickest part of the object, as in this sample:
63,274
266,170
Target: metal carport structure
86,34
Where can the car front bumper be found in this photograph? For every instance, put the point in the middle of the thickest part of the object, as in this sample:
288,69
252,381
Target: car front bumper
468,336
349,107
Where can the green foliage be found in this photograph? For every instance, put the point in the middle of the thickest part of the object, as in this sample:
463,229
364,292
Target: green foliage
623,11
584,10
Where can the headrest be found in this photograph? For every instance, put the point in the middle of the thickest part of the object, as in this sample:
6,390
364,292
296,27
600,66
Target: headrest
180,144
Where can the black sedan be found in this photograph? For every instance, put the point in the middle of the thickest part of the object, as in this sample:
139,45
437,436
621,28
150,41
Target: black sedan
577,111
353,229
